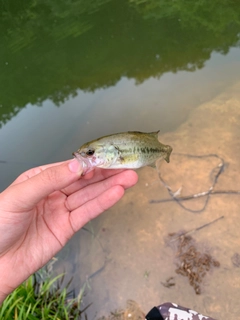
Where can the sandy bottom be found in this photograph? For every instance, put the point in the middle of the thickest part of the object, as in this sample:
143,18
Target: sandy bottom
127,246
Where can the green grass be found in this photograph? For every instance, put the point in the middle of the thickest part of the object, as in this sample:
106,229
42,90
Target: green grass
40,298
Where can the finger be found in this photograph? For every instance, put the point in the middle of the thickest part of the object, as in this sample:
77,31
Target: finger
93,208
34,171
126,179
95,176
31,191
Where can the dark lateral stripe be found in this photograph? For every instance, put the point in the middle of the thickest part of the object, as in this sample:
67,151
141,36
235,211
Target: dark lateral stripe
139,150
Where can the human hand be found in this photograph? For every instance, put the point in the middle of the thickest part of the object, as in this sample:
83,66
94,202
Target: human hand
43,208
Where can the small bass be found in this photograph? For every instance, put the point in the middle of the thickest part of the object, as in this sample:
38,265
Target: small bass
130,150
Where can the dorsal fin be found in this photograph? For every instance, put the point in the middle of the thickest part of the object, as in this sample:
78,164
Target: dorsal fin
155,133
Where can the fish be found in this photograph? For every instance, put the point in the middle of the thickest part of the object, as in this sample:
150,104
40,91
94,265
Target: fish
125,150
172,311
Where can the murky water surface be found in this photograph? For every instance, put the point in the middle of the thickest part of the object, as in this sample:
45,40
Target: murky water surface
73,71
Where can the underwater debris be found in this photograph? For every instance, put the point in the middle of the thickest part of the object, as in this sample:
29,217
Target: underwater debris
169,282
195,229
191,262
215,174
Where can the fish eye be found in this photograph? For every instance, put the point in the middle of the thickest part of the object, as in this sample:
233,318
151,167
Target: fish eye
90,152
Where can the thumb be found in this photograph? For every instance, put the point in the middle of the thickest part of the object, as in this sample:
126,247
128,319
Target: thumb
29,192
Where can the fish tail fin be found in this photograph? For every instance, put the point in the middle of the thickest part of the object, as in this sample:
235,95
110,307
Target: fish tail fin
168,151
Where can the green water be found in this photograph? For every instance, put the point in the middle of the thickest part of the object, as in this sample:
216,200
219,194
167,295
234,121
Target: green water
73,70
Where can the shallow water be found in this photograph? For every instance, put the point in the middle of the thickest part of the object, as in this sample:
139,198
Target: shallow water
133,233
128,67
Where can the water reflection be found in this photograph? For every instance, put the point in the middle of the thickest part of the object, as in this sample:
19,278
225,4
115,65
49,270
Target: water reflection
154,104
50,49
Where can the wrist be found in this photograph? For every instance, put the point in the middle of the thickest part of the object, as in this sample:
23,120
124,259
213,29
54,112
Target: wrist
10,277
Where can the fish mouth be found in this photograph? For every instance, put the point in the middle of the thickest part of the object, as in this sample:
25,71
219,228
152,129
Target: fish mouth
86,164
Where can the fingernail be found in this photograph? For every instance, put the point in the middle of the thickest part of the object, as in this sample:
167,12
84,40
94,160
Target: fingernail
75,166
